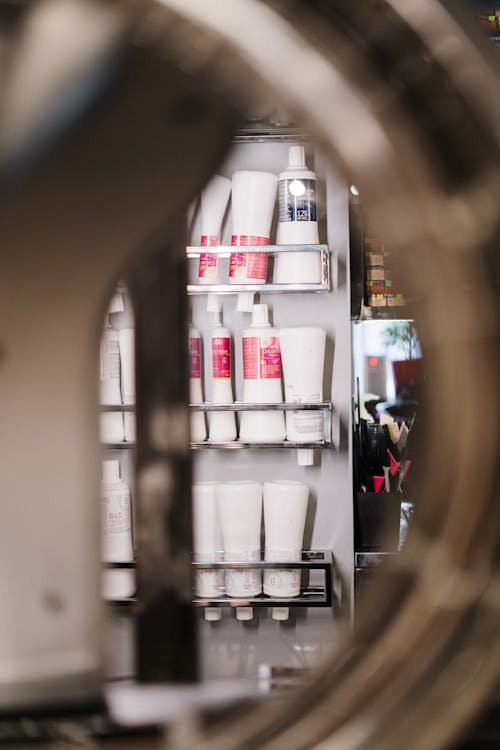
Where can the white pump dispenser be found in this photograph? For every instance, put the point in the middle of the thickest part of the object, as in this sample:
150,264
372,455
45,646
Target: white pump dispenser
297,222
221,424
214,199
198,427
111,423
262,380
116,531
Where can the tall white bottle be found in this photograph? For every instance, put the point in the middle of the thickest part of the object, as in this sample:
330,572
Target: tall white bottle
127,359
111,423
198,426
207,545
297,223
116,531
214,199
261,380
221,424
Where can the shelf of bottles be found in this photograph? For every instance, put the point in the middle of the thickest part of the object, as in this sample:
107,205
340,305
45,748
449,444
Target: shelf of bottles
225,251
309,595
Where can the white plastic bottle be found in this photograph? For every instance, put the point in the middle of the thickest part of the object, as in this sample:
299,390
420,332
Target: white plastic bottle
214,199
111,423
221,424
127,359
285,508
207,543
253,201
198,426
116,531
261,380
297,223
240,513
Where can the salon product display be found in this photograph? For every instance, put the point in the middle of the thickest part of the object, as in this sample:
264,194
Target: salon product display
126,337
213,202
116,524
221,424
111,423
207,544
198,426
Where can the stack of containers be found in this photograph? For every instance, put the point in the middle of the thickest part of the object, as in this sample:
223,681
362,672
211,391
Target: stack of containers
383,287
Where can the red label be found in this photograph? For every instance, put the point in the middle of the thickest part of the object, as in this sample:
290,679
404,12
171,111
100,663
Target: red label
261,358
209,240
208,266
194,352
248,239
270,358
221,357
251,358
248,265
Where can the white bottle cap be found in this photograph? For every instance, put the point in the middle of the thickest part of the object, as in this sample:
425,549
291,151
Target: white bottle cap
305,457
213,302
116,304
244,613
280,613
214,318
212,614
260,316
111,471
245,301
296,157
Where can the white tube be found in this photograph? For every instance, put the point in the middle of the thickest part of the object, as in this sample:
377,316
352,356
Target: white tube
253,200
297,223
214,200
303,357
198,427
111,423
127,357
285,508
240,513
261,380
116,531
221,424
207,544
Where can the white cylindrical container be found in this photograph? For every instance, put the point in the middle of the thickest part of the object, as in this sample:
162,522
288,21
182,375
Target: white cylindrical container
240,513
127,358
116,532
262,380
285,508
207,543
303,358
221,424
253,200
111,423
198,426
214,200
297,222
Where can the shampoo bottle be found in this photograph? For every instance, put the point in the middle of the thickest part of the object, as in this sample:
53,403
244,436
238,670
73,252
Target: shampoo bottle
116,531
221,424
297,222
214,200
207,541
261,380
111,423
198,427
253,200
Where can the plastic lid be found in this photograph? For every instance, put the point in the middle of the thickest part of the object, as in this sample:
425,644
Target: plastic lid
213,303
244,613
280,613
296,156
245,301
111,470
116,304
214,318
212,614
260,316
305,457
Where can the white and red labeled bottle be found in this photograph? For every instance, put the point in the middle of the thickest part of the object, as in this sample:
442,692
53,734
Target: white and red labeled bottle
261,380
214,199
221,424
198,427
253,201
116,532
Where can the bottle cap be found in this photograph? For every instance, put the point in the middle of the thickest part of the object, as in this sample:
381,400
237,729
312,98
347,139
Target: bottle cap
214,318
260,316
244,613
213,303
296,157
111,471
305,457
280,613
212,614
116,304
245,301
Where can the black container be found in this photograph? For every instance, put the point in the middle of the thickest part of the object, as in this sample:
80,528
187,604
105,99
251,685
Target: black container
376,521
